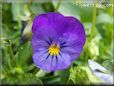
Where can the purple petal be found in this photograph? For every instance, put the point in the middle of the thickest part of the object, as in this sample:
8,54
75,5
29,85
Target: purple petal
38,44
73,45
41,60
95,66
74,37
63,61
45,61
49,23
76,27
51,63
107,78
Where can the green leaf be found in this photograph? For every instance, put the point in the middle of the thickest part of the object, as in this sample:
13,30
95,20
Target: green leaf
64,76
70,82
27,79
48,7
108,55
109,65
51,79
82,75
17,10
94,46
25,53
36,8
40,73
104,18
109,62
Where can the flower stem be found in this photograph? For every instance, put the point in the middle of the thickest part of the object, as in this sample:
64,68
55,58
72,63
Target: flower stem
58,4
11,51
93,21
11,54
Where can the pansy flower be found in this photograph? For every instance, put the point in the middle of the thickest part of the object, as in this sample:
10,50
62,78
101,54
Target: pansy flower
101,72
57,41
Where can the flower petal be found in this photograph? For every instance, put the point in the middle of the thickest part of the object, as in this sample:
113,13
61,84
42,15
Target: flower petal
74,37
41,60
39,44
51,63
49,23
73,45
95,66
63,61
76,27
107,78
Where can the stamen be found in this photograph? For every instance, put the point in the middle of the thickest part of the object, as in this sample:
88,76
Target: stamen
54,49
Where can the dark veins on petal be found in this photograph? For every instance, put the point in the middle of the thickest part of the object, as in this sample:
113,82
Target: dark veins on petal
49,42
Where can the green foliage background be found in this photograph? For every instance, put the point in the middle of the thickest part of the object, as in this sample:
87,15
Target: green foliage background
17,65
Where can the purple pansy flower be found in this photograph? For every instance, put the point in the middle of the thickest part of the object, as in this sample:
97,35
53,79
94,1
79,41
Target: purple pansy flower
56,41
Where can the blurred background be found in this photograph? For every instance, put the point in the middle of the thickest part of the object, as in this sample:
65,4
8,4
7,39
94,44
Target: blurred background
17,16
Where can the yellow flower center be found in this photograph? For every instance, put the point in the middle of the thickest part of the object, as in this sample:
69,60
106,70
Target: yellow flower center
54,49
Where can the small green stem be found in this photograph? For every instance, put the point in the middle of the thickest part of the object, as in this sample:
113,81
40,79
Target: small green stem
58,4
9,63
11,54
93,21
11,51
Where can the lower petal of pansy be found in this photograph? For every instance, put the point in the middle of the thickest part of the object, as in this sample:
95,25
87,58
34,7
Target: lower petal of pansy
39,57
45,61
51,63
54,63
47,64
63,61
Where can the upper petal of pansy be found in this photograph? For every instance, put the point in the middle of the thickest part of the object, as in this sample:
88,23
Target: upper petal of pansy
49,23
76,27
39,44
74,37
